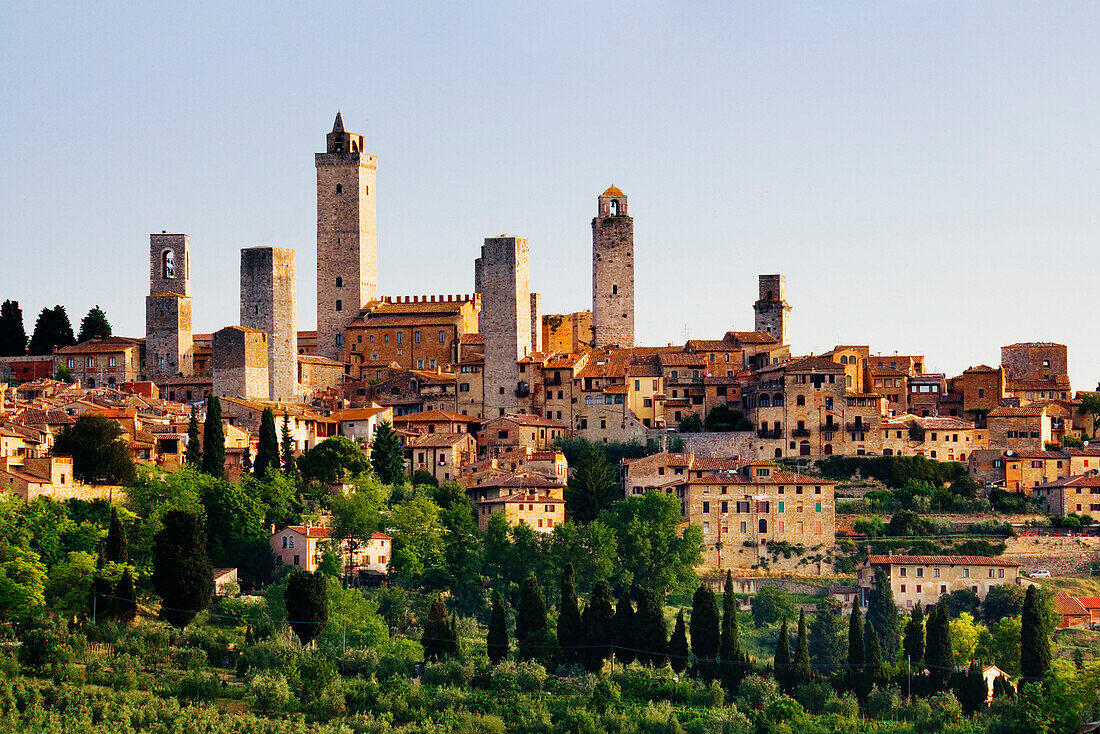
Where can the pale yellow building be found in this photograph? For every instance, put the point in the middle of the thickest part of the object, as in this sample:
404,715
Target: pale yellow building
922,580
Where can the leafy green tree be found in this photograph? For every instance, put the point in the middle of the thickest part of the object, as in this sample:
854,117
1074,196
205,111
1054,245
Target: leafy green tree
267,448
213,440
462,550
115,550
234,517
652,632
306,599
882,614
423,478
570,632
1005,646
1090,406
69,584
802,672
856,659
782,659
722,418
182,574
278,495
94,325
530,618
438,638
678,653
100,454
101,601
332,461
357,515
417,546
960,601
497,640
124,608
13,335
590,549
286,446
1002,600
594,486
598,625
1034,637
771,604
913,644
52,330
193,454
387,457
650,545
705,634
827,640
63,374
623,629
690,423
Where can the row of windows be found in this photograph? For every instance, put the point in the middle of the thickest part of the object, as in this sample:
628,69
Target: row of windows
599,400
994,573
1021,434
70,362
762,527
743,507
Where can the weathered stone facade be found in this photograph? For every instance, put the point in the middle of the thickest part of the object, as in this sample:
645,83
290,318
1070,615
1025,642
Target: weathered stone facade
536,322
269,303
1034,361
169,346
502,273
772,308
566,333
347,242
240,363
613,272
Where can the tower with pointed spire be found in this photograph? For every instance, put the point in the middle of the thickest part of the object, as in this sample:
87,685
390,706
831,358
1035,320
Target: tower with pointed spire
347,243
612,272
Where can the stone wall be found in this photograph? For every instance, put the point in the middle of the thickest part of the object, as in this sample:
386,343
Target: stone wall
1060,555
742,444
613,274
269,303
240,363
179,279
1026,361
771,308
502,272
169,344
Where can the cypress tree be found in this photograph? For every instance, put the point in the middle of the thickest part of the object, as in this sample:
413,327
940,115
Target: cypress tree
387,458
101,603
913,644
307,604
678,646
267,449
182,574
246,461
213,440
803,671
1002,688
497,639
115,547
623,628
94,326
52,329
125,606
782,660
193,455
530,618
1034,638
974,690
937,650
452,636
652,631
13,335
874,672
598,628
733,662
882,613
705,634
856,657
570,632
286,445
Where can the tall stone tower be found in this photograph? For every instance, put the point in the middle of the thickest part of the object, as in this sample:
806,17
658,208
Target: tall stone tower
347,244
239,357
772,308
269,303
502,275
169,346
612,272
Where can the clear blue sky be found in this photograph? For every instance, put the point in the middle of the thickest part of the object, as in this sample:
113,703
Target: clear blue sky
926,174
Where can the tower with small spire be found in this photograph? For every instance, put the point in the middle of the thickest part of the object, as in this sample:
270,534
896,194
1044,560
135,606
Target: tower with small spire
612,272
347,243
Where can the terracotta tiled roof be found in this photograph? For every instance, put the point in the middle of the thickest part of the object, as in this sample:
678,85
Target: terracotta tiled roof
313,532
527,419
876,560
751,337
100,346
434,416
471,339
979,368
1069,606
814,364
685,360
357,414
1082,480
1027,411
438,440
314,359
612,191
1018,345
711,345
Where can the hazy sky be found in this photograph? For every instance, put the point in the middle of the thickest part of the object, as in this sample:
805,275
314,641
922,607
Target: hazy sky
925,174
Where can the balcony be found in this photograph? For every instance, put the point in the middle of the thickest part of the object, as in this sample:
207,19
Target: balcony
859,426
801,433
831,427
768,433
522,390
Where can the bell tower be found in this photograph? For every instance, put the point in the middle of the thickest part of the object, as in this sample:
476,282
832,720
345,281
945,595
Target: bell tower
347,244
612,272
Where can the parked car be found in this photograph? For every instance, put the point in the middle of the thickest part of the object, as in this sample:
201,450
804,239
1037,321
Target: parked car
1041,574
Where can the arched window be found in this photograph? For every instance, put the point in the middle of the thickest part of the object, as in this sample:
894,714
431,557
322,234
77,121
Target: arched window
91,383
763,525
800,400
804,448
765,401
779,453
777,399
847,380
168,265
614,208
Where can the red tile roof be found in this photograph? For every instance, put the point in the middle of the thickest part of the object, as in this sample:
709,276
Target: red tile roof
876,560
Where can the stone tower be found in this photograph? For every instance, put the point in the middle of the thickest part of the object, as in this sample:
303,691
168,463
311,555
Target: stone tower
502,274
612,272
169,347
347,245
772,307
269,303
239,356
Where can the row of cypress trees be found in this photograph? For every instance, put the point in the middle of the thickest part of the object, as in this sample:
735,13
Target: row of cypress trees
208,454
